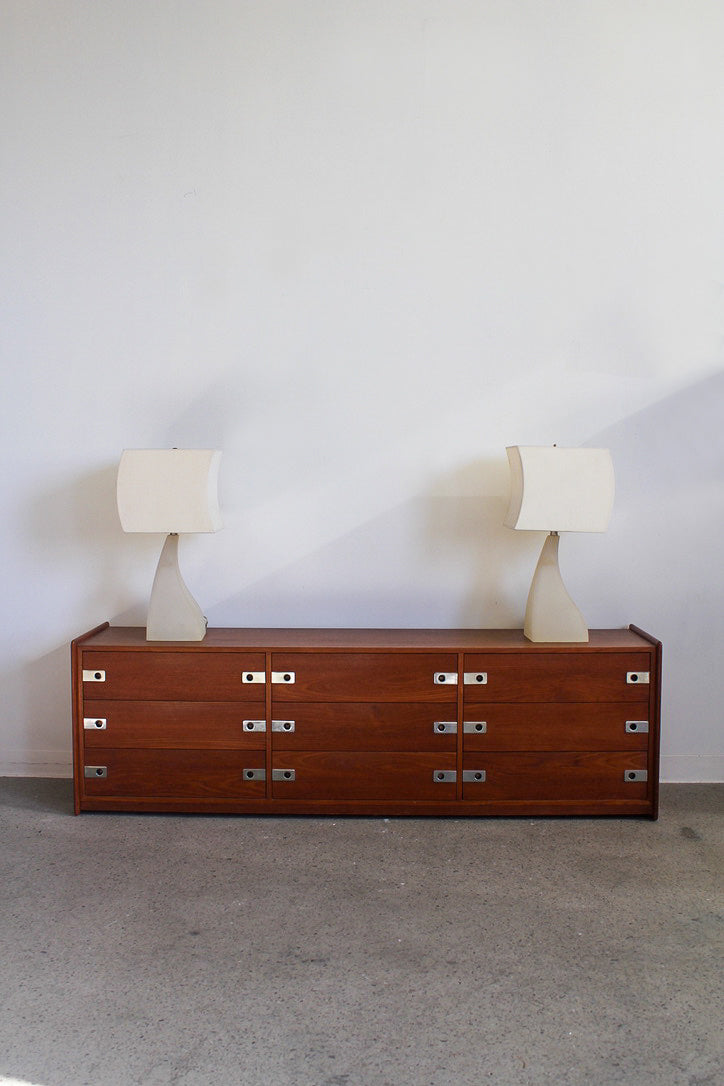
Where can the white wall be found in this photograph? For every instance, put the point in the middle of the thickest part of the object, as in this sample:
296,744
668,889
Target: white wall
361,245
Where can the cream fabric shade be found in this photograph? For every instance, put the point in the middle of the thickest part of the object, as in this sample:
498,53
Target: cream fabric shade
559,490
169,490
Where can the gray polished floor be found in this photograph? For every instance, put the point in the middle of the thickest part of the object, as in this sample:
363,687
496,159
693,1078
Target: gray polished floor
155,950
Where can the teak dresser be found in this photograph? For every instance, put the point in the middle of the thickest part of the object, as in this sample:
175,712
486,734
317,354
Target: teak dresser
367,722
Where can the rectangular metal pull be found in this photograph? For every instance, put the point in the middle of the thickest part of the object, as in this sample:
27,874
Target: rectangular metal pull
254,774
444,776
94,723
637,726
253,677
445,678
639,678
96,771
283,775
445,727
475,678
283,726
283,677
255,725
473,776
636,775
475,727
94,676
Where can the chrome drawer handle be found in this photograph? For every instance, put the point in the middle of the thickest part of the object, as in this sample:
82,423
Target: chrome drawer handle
444,776
473,776
475,678
637,726
94,676
475,727
255,725
640,677
94,723
445,678
445,727
283,775
283,677
635,775
254,774
95,771
283,726
253,677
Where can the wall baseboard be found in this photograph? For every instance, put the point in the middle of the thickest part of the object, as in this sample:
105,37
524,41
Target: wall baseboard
35,763
692,768
675,768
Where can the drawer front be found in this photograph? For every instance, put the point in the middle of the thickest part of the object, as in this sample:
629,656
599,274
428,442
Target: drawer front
366,726
361,676
558,676
570,726
174,676
174,774
221,724
366,775
555,776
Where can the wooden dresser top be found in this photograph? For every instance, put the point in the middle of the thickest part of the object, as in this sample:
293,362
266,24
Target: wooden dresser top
363,640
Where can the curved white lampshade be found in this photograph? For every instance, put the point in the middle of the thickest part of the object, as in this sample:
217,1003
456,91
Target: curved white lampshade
170,491
557,490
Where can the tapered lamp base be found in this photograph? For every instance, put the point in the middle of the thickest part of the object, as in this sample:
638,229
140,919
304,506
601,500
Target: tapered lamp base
551,614
173,613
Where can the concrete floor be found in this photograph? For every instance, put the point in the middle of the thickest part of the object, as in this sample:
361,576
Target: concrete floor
155,950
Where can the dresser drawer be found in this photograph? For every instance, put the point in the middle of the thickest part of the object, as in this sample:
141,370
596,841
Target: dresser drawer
363,775
220,724
353,676
365,726
554,776
173,676
557,676
546,726
173,774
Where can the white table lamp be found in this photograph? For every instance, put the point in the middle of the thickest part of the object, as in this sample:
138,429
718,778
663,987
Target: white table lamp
170,491
557,490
